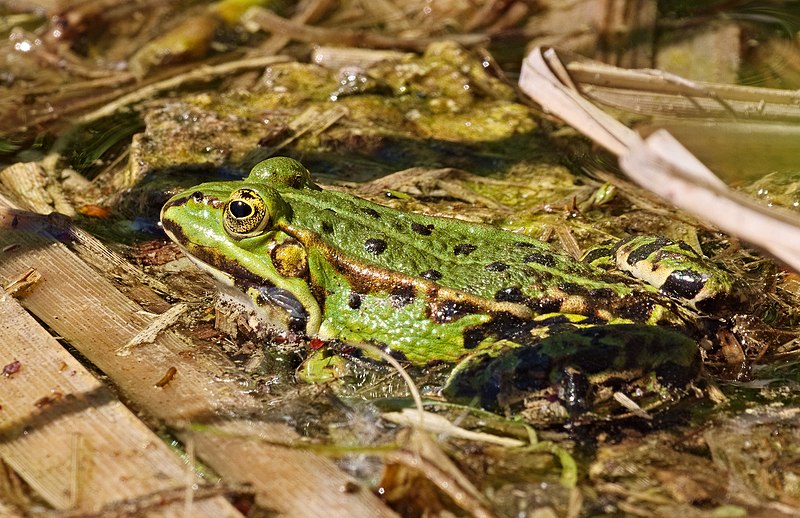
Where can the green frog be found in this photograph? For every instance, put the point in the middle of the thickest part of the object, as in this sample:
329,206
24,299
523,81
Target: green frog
329,265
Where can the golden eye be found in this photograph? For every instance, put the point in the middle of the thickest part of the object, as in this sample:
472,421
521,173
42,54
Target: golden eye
245,214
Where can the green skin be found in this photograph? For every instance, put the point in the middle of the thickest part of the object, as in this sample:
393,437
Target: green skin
427,289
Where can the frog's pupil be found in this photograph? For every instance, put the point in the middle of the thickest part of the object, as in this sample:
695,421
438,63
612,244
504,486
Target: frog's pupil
240,209
197,196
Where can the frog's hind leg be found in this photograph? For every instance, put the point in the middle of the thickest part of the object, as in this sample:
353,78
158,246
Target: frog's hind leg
675,269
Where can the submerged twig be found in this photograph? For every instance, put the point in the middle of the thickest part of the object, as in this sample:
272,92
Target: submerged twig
204,73
443,481
412,387
268,21
312,12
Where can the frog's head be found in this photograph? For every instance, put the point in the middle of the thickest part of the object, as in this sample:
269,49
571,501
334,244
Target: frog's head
281,170
232,231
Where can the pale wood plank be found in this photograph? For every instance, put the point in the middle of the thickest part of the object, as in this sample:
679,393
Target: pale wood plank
8,511
96,319
69,438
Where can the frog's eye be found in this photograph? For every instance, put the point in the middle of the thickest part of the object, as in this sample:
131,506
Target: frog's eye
245,214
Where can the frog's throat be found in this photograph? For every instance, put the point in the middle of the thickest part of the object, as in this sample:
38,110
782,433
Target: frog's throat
247,298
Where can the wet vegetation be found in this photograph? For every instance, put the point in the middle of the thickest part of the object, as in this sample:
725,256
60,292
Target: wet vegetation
109,108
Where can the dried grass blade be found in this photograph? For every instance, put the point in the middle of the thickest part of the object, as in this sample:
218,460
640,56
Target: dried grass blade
661,164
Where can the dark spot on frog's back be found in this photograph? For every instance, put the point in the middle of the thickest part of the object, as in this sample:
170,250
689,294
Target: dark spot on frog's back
498,266
501,326
602,293
402,296
547,305
571,288
554,320
431,275
423,230
639,308
372,213
543,259
354,300
473,337
510,294
464,249
444,311
643,252
326,227
541,276
683,283
375,246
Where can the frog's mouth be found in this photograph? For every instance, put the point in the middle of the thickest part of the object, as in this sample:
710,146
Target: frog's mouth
275,308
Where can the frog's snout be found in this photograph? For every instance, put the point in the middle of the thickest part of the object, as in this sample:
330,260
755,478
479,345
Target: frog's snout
164,209
179,200
167,220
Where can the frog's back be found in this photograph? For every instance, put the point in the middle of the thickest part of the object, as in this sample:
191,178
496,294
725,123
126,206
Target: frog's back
496,265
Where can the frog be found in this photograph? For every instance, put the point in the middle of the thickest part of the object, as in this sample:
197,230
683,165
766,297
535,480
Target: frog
325,264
